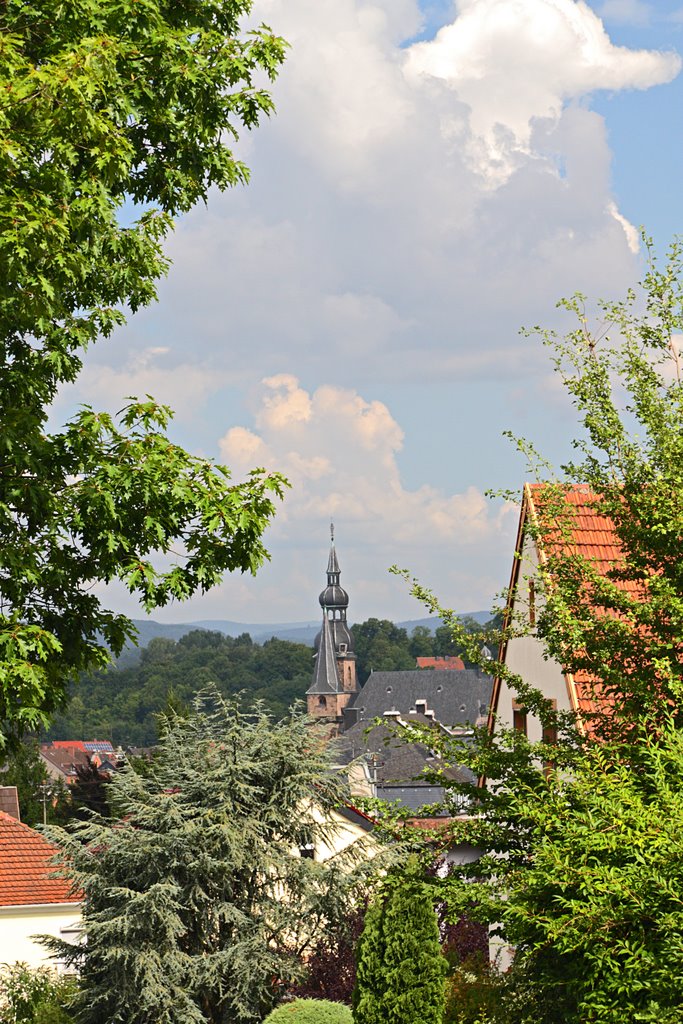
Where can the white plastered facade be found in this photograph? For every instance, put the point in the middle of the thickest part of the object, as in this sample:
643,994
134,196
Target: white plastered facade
524,654
20,924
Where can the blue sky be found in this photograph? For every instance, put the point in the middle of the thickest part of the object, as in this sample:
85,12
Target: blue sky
435,179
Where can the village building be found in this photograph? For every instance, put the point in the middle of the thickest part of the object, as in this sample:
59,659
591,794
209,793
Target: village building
441,695
33,900
591,536
63,758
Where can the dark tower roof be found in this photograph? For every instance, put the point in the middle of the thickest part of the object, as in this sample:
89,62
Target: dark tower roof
334,601
325,675
333,596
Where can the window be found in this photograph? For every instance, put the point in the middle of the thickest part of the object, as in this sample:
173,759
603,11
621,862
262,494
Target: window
342,648
307,851
322,703
550,736
532,603
518,718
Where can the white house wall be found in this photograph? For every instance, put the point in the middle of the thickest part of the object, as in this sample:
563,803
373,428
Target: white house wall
19,925
524,655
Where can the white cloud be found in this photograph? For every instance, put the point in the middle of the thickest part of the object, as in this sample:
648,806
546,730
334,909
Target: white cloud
342,461
183,386
405,202
512,61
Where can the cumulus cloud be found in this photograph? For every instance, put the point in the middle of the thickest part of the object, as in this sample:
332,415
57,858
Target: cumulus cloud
410,207
342,458
513,61
426,198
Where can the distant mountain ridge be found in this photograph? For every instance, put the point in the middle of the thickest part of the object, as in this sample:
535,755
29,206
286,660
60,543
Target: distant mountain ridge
298,632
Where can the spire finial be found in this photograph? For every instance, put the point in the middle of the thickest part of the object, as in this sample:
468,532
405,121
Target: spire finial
332,533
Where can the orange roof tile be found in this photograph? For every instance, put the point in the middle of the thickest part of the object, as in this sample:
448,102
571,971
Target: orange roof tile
582,531
592,536
26,868
447,663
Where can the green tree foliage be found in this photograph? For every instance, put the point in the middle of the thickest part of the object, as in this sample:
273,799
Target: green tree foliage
104,104
582,873
381,646
400,966
124,703
310,1011
197,904
596,914
34,995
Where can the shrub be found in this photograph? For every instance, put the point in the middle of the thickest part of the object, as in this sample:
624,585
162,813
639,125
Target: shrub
34,995
401,970
310,1011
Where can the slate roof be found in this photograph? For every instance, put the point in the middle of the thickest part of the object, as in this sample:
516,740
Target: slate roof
325,674
456,698
396,767
26,868
395,760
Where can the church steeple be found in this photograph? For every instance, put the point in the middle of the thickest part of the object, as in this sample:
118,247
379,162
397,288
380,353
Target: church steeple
334,676
334,601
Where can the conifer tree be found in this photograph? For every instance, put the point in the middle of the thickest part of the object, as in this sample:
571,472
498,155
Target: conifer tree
198,906
401,969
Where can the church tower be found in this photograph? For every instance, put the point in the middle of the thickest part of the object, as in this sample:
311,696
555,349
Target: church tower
334,676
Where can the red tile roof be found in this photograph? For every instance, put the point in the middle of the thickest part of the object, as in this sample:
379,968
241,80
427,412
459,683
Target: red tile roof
26,868
582,531
448,663
592,536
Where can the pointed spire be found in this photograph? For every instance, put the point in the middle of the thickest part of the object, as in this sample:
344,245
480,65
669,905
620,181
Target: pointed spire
326,674
332,563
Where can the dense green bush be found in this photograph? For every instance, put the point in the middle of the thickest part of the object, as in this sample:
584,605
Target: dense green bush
310,1011
401,969
34,995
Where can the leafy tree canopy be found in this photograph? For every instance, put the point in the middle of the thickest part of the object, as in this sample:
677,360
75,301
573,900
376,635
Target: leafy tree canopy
587,886
124,704
105,103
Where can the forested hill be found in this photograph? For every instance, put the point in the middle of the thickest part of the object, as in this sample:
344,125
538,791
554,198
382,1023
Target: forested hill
120,703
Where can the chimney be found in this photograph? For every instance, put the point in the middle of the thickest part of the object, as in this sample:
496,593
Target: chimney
9,801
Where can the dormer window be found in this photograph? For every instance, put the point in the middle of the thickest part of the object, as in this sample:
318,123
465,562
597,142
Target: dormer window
342,648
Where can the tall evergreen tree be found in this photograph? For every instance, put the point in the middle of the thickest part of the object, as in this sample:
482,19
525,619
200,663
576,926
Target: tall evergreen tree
198,906
401,969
